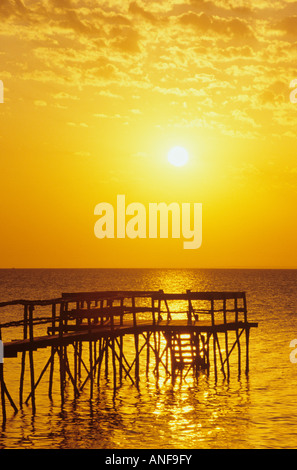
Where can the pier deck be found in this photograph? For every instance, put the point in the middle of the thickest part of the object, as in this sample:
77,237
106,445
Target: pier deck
12,348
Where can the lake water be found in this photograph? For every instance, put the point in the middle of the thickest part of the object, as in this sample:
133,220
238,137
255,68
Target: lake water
258,411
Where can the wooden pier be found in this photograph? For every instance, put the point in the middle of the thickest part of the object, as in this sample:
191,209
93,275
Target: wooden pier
180,333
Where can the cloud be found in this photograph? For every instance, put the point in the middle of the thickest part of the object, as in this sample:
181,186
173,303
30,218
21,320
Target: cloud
276,93
207,23
127,39
11,8
62,3
40,103
109,94
138,10
180,92
72,21
75,124
64,95
287,25
209,52
111,18
109,116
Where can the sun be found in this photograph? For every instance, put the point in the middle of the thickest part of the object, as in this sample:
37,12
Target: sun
178,156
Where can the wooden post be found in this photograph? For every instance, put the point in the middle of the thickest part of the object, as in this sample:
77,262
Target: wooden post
159,346
190,308
214,340
79,357
2,386
136,343
4,390
134,312
114,365
61,318
61,353
207,349
91,369
106,358
220,354
159,308
156,349
101,352
23,364
226,338
153,311
95,356
237,336
31,361
148,353
75,360
121,343
121,358
247,336
62,374
51,374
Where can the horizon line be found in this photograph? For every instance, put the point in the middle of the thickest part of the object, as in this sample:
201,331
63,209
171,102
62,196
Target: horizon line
217,267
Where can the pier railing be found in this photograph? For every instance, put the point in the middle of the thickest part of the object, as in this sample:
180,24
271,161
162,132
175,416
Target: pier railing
113,309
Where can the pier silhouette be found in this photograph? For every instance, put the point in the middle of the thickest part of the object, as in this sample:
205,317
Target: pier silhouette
180,332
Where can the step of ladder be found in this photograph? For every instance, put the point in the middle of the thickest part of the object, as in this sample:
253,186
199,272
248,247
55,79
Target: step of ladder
186,350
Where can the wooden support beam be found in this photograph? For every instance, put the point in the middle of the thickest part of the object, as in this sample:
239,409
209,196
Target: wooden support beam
220,354
135,359
98,361
4,391
67,369
40,377
124,368
235,343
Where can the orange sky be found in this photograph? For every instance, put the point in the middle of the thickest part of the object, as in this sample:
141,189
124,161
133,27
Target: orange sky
96,93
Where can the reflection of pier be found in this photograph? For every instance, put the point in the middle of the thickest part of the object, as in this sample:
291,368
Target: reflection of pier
125,330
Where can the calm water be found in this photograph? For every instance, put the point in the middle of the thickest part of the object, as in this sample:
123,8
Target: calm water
255,412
